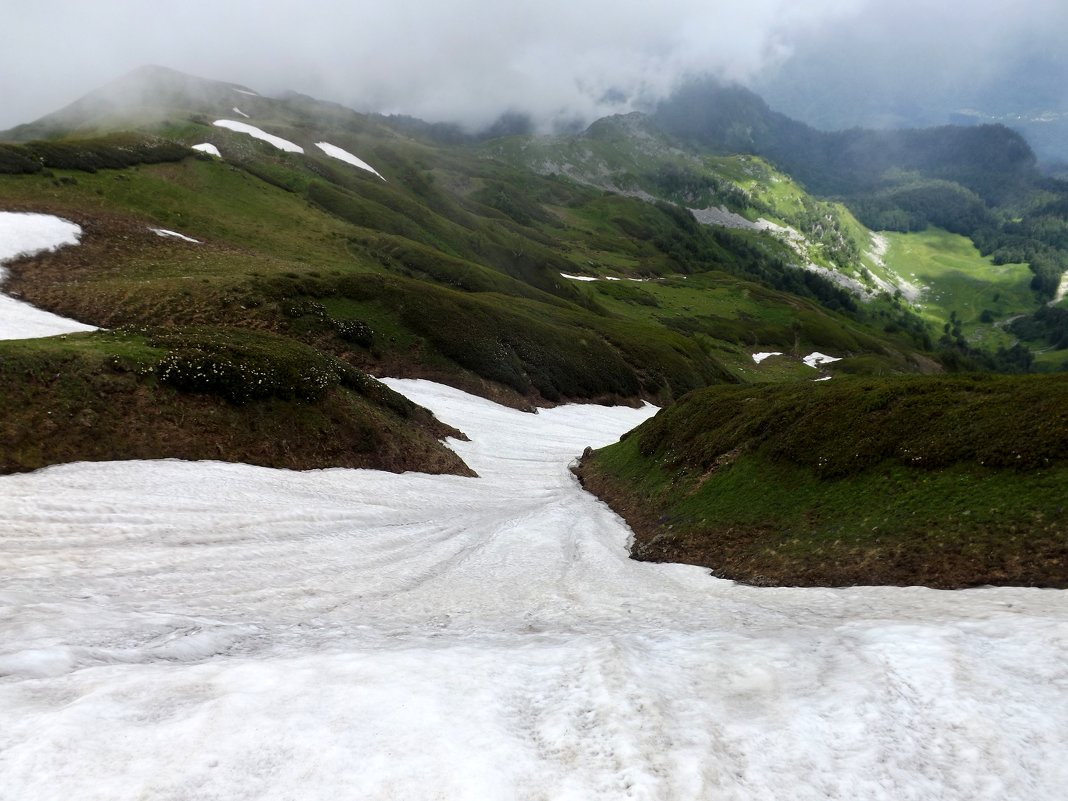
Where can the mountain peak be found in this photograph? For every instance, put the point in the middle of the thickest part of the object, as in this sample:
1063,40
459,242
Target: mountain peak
144,95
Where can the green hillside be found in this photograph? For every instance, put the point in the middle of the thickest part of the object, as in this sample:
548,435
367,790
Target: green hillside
532,270
981,182
941,481
205,394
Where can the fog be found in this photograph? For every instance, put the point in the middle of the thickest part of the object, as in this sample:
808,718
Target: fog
913,62
470,60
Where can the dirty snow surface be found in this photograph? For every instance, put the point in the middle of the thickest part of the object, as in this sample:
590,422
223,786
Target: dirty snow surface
175,630
28,235
259,133
343,155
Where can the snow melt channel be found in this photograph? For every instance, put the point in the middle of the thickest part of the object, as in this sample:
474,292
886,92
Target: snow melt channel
189,630
24,235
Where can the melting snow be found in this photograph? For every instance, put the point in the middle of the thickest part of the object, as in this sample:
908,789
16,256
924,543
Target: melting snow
27,235
175,234
759,357
578,277
209,148
236,110
343,155
816,358
245,92
177,630
257,133
825,378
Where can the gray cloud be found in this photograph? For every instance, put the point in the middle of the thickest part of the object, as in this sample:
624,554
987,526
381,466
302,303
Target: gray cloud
914,62
470,60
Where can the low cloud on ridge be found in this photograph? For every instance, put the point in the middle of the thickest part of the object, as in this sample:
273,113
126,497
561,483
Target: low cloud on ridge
465,61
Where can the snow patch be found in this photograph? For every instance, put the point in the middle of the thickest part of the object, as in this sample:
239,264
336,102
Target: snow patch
759,357
236,110
164,232
570,277
210,149
343,155
257,133
246,92
816,358
825,378
24,235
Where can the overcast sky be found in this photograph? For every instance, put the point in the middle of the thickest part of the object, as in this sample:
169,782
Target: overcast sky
470,60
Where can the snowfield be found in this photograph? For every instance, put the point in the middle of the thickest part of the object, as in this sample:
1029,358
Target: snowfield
27,235
258,133
343,155
176,630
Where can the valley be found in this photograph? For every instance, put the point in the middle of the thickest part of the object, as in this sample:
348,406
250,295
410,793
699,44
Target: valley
287,504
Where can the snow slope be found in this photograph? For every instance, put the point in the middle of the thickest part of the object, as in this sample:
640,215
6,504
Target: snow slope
343,155
174,630
28,235
258,133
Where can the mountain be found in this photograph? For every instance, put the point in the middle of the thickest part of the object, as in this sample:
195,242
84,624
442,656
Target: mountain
151,94
633,260
980,181
255,261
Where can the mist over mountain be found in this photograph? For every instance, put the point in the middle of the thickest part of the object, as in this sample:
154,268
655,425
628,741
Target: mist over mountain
917,64
830,63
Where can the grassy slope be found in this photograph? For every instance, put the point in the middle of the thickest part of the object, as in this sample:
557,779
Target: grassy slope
943,481
432,225
204,395
449,269
958,279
